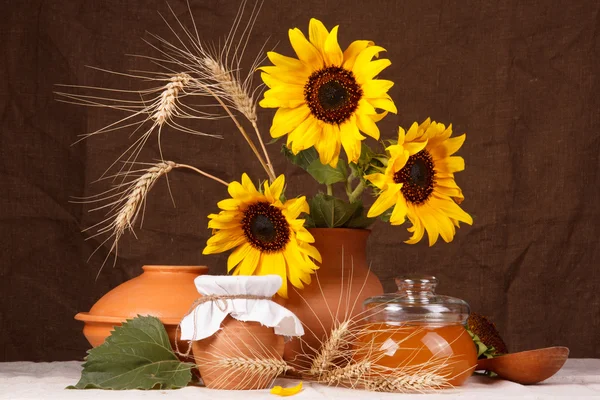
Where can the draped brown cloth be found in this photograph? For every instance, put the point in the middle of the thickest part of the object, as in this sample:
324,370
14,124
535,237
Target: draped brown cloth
519,77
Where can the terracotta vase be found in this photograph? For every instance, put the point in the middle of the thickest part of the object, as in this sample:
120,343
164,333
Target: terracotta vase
220,357
165,292
341,284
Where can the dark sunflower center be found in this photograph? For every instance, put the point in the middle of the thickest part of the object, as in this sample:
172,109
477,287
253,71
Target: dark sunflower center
265,227
418,177
332,94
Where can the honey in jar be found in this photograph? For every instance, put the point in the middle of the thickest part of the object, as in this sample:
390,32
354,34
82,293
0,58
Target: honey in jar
415,329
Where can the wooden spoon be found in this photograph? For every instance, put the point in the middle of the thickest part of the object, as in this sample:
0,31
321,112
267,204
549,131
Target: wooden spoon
527,367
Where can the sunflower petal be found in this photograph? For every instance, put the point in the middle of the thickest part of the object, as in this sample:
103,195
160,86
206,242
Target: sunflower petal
229,204
248,184
417,227
311,251
451,164
296,206
327,145
222,246
386,199
250,263
353,51
305,50
376,88
289,63
333,52
386,104
379,180
448,147
275,189
367,125
399,213
317,33
352,146
238,255
363,60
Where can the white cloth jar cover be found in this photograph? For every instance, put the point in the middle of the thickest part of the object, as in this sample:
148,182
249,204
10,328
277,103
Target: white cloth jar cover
205,319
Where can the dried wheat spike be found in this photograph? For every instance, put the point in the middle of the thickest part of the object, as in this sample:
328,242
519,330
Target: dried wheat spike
349,373
167,105
136,195
331,348
406,382
271,366
231,88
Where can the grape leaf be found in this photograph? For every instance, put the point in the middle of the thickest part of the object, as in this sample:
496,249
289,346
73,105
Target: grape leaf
137,355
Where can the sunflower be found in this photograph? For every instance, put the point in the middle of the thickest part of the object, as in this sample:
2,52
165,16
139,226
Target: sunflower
326,96
267,235
419,182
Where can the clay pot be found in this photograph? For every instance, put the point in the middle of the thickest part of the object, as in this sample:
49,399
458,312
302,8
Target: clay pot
237,340
165,292
339,288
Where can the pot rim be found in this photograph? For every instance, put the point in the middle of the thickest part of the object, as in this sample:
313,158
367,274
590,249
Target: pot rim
175,268
341,229
107,319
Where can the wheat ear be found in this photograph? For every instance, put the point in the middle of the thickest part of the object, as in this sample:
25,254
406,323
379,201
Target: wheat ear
406,382
128,213
167,106
258,365
330,350
232,89
350,372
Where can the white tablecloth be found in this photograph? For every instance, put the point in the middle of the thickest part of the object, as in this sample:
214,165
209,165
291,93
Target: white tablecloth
579,378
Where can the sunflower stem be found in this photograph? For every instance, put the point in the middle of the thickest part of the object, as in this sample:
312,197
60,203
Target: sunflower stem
358,190
348,188
330,190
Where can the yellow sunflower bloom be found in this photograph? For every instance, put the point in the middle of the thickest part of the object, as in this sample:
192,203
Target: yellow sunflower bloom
326,96
267,235
419,182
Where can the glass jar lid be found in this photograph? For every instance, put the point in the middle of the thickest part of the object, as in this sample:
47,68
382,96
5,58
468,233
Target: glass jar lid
416,302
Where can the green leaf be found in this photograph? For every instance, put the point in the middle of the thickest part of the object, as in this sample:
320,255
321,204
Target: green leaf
275,140
366,154
137,355
327,175
303,159
359,219
330,212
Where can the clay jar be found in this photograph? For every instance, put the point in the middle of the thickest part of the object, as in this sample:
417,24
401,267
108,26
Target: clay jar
337,291
163,291
237,340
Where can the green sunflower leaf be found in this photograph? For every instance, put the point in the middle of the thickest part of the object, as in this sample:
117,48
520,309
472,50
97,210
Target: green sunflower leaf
359,219
330,212
327,175
303,159
137,355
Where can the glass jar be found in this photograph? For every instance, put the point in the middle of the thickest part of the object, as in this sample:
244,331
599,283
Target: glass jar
416,329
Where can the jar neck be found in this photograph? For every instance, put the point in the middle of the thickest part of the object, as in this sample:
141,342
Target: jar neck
417,290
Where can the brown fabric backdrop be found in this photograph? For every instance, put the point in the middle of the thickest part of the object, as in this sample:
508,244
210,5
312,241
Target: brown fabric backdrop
520,77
